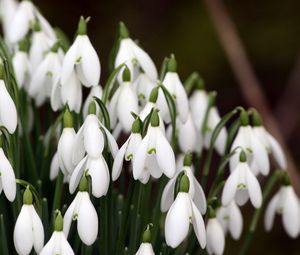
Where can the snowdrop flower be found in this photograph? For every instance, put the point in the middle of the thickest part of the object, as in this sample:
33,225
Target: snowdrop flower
195,191
40,44
155,155
7,176
7,11
58,244
146,246
90,138
214,235
25,15
246,140
242,184
65,145
189,138
82,210
271,144
96,91
8,111
231,219
143,86
128,150
200,103
45,76
183,212
28,230
176,89
123,102
97,169
81,59
133,56
286,203
21,65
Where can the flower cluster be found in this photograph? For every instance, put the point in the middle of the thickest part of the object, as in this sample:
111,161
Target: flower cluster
137,150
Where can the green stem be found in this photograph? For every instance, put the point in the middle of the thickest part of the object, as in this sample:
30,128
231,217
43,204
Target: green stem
255,218
57,195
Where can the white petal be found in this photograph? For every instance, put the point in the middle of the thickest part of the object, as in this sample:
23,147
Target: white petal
277,152
215,236
291,213
38,231
23,235
199,197
271,212
66,249
118,162
112,144
145,61
8,111
98,170
92,137
165,155
230,188
8,178
54,167
235,221
90,62
254,189
127,103
145,249
167,197
241,197
138,162
49,247
87,223
69,61
199,226
68,217
77,174
78,152
177,220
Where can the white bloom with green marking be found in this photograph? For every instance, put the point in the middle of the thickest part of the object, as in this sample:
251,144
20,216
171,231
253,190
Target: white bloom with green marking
215,237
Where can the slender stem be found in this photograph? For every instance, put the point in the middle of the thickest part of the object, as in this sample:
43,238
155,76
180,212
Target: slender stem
255,218
57,194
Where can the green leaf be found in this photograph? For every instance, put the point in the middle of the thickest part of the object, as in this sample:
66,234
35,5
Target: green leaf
104,112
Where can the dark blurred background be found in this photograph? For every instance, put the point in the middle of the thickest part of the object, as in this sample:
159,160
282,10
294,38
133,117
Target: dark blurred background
269,30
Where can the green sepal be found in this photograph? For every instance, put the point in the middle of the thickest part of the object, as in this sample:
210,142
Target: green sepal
184,184
123,31
27,196
59,222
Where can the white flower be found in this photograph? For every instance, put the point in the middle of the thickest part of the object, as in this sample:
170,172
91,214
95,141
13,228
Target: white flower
25,14
133,56
96,91
154,156
242,184
215,237
256,152
39,46
189,138
285,203
65,149
22,68
126,152
199,102
143,86
145,249
8,111
44,77
272,145
176,89
82,59
82,210
183,212
7,11
195,191
7,177
58,244
97,169
231,219
123,102
28,230
90,139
